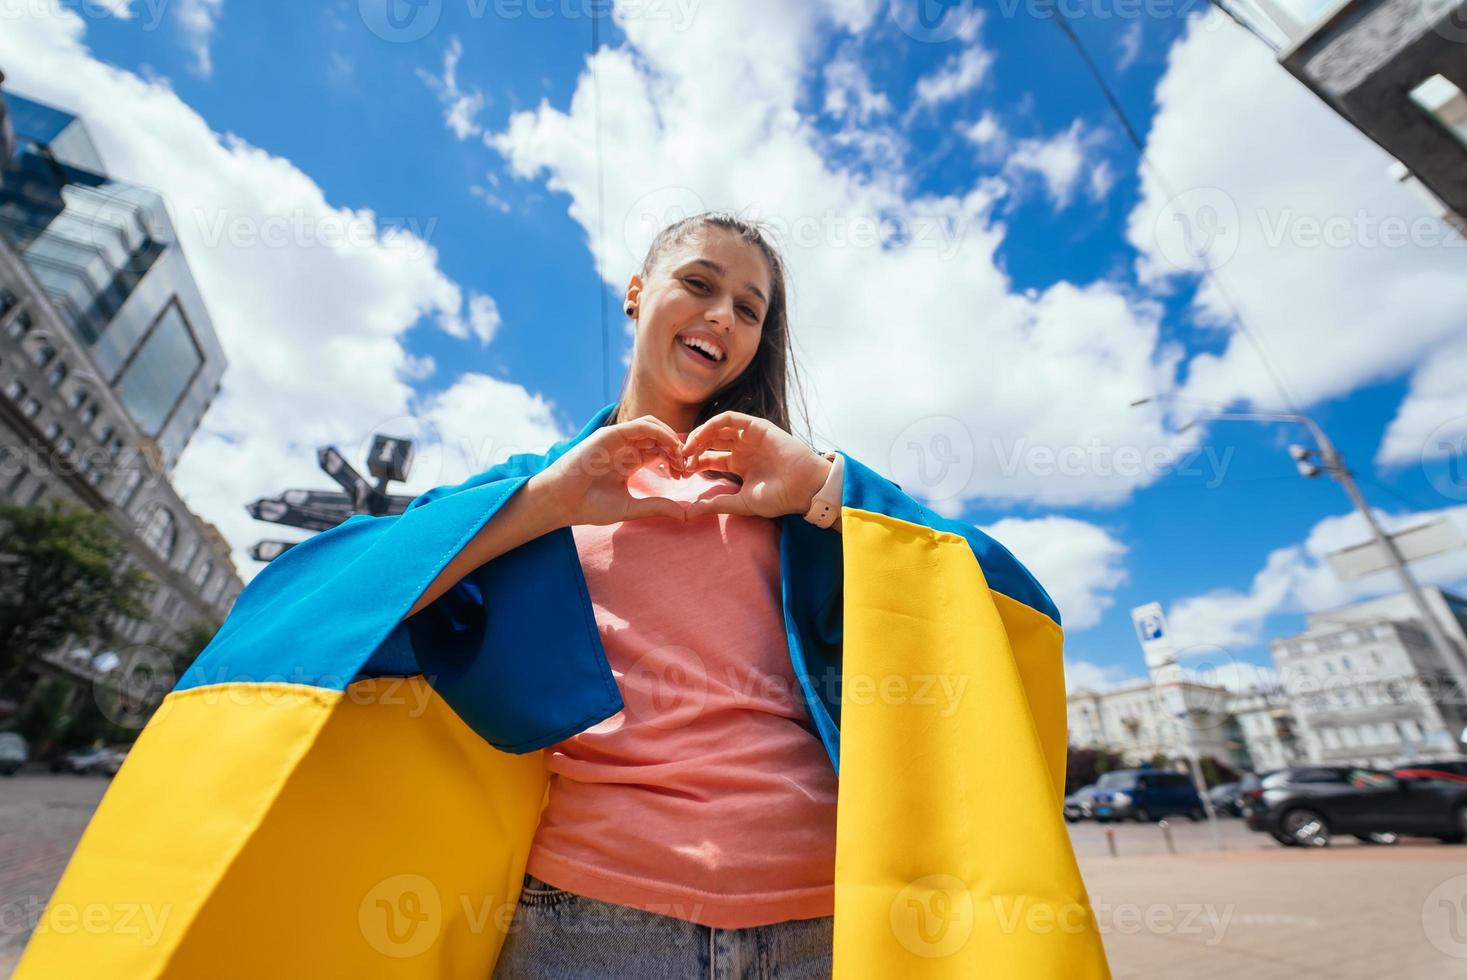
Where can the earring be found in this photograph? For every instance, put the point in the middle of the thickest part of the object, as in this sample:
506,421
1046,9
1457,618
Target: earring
631,310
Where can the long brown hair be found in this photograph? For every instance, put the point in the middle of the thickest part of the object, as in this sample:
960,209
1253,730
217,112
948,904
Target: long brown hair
765,387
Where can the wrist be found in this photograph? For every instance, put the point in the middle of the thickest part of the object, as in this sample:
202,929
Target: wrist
815,472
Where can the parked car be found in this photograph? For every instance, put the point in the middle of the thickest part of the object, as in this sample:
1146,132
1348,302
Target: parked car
1079,803
1227,799
1145,794
1309,805
14,752
99,759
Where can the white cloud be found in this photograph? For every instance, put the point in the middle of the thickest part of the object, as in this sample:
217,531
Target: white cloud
1297,578
1061,162
1079,564
1314,239
313,331
483,320
460,108
1007,381
960,74
196,21
1086,675
1128,46
121,9
987,130
1431,422
848,89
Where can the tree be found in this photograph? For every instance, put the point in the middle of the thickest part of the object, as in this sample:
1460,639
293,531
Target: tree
63,573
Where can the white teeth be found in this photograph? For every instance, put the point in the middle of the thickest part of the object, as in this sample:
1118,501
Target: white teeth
703,345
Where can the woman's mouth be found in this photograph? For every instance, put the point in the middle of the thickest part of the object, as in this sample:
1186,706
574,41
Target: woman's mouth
702,357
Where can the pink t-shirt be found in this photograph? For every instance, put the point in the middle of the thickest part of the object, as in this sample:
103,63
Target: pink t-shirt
709,797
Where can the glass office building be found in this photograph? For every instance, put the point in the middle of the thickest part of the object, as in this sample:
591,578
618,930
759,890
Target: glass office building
106,254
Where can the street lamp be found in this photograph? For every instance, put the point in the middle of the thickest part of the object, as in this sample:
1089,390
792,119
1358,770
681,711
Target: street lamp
1327,459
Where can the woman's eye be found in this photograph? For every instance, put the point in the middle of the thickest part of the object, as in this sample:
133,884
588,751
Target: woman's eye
696,282
750,312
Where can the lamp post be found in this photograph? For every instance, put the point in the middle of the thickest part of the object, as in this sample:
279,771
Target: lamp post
1326,458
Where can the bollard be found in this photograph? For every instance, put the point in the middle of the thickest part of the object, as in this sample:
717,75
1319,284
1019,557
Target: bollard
1110,840
1166,831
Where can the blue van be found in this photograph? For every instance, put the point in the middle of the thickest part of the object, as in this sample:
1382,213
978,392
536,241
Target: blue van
1145,795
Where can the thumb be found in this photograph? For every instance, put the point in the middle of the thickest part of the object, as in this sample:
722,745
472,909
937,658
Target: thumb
641,507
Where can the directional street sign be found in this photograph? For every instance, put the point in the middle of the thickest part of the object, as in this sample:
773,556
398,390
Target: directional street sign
320,510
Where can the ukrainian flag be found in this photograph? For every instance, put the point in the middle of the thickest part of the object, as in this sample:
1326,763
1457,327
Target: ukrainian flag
330,791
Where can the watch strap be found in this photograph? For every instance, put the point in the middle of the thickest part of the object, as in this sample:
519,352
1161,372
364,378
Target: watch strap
825,506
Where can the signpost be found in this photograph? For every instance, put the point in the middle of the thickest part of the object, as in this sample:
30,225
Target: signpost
390,459
1170,696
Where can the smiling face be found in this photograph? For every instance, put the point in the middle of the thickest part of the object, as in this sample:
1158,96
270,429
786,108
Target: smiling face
700,316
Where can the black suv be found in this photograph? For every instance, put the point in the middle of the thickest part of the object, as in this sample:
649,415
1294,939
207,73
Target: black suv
1306,805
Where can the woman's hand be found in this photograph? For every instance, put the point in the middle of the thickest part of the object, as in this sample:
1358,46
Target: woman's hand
780,474
588,485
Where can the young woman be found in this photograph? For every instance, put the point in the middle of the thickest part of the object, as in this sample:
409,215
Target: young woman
693,833
585,713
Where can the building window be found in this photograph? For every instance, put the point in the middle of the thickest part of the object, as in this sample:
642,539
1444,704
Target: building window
1445,103
53,430
160,371
89,414
20,326
7,301
30,408
58,374
14,390
106,434
42,354
128,488
205,570
67,446
159,531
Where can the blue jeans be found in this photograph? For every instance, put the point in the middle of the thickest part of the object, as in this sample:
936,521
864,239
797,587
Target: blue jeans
560,935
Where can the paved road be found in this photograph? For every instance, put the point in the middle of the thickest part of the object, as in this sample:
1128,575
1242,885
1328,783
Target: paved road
1254,910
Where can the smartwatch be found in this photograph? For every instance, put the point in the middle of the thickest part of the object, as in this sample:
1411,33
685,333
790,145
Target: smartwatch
825,507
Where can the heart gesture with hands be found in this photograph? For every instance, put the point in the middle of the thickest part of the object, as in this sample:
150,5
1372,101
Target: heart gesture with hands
588,485
780,474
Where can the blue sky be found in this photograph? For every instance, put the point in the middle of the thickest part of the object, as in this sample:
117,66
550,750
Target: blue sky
1064,302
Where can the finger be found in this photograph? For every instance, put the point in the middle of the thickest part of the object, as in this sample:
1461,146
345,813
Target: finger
724,438
723,503
641,507
654,429
737,421
712,461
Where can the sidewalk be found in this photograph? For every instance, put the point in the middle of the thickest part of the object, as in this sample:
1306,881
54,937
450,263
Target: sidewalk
1346,913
